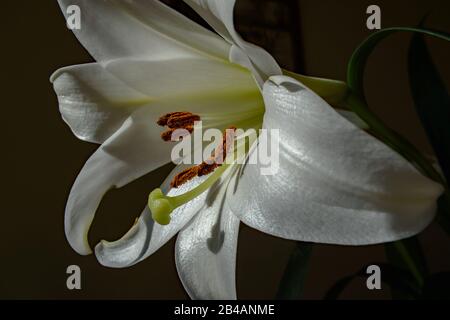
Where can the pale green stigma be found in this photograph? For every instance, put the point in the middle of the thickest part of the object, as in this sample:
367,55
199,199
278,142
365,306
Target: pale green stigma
162,206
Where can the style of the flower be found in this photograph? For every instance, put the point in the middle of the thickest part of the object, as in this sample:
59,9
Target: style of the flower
336,183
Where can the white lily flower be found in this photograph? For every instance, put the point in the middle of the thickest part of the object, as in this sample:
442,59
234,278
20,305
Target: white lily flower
336,183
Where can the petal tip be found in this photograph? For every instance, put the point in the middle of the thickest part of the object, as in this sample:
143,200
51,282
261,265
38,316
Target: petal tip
101,254
55,75
80,247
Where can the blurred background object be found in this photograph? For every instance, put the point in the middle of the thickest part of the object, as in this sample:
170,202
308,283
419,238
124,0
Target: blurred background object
271,24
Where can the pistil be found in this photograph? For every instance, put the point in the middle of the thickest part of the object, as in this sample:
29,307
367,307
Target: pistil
161,206
209,165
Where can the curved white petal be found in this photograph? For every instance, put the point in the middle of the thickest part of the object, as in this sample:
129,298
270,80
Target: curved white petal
205,251
146,236
210,88
134,150
187,77
112,29
240,57
220,15
93,102
335,184
353,118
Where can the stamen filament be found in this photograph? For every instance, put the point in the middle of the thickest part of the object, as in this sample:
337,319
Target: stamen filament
185,197
161,206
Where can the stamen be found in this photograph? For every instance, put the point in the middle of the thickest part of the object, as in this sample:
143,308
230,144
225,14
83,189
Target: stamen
224,148
209,165
177,120
162,206
204,168
182,121
184,176
174,135
162,121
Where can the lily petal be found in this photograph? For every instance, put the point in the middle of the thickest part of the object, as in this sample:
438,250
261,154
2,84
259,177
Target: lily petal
146,236
131,152
167,78
205,251
112,29
96,99
93,102
335,184
220,15
353,118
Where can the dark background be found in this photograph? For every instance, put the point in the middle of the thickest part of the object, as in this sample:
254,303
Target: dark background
41,158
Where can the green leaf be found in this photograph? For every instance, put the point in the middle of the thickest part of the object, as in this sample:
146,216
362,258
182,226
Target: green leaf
407,255
294,277
332,91
421,69
357,64
432,103
404,254
357,101
431,100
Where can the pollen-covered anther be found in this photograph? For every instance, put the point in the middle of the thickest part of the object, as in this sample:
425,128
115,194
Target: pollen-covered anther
175,121
184,176
162,121
208,166
176,134
182,121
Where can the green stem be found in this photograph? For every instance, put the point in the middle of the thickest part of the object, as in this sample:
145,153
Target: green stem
410,263
294,277
393,139
410,153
